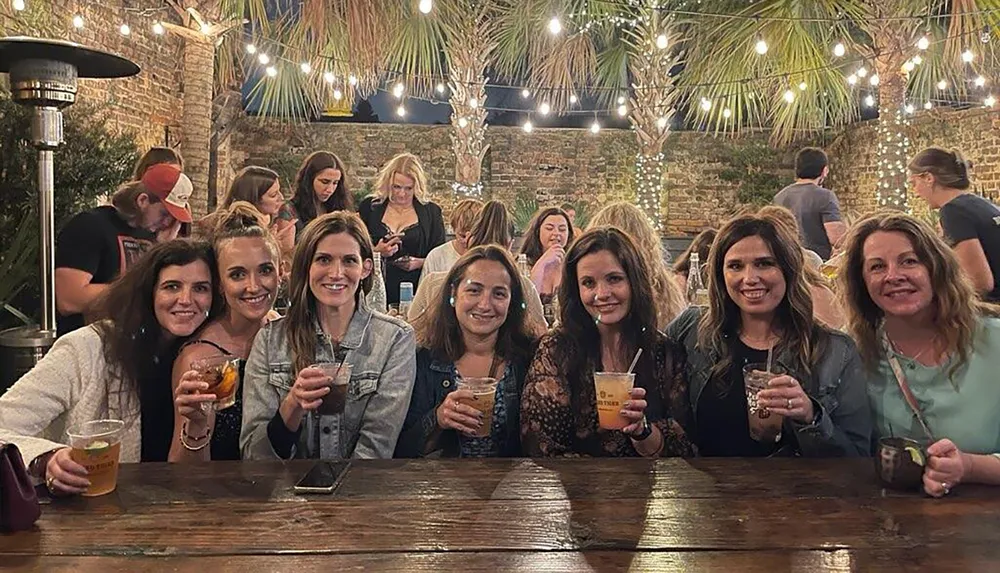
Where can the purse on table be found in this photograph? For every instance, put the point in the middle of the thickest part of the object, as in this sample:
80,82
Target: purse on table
19,507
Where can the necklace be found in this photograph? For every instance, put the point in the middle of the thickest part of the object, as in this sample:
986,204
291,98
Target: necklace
916,357
757,343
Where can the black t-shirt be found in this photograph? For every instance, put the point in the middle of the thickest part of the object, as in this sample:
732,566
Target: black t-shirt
722,425
970,216
156,403
101,243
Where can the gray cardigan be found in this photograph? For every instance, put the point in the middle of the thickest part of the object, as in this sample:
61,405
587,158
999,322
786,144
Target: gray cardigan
837,386
382,353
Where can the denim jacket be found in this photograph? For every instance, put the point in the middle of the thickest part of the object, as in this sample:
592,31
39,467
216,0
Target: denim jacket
843,426
434,382
382,353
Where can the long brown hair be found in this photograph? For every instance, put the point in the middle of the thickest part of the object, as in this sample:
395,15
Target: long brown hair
250,184
439,330
701,245
801,334
492,226
131,336
949,168
299,327
304,196
578,337
955,304
532,246
157,156
627,217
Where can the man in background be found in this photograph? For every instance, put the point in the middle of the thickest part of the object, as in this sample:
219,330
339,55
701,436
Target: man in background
815,208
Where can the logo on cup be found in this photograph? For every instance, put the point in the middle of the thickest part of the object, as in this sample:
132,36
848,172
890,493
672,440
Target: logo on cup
604,394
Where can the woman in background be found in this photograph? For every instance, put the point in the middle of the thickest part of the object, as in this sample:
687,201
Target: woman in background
545,242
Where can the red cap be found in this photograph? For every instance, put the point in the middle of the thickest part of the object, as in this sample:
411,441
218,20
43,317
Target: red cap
171,187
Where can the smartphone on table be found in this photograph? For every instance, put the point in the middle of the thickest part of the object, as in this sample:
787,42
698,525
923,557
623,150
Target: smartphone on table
324,477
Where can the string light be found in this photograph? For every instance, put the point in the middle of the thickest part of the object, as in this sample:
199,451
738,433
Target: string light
264,59
661,41
353,80
706,104
305,67
789,96
158,29
251,49
398,89
727,113
852,79
78,21
928,105
661,122
18,5
473,103
555,26
528,127
463,123
968,56
649,180
917,60
401,111
802,86
205,28
862,72
622,110
337,94
892,153
909,108
573,99
544,108
761,46
869,101
621,100
328,77
426,6
990,101
980,81
839,50
440,88
923,43
271,71
124,30
942,85
873,80
908,66
595,127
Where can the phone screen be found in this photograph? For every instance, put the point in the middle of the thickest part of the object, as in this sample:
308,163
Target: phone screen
324,477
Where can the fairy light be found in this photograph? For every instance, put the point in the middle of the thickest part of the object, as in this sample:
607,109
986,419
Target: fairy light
928,105
544,108
251,49
555,26
622,110
661,122
305,67
852,79
706,104
803,86
862,72
760,47
353,80
892,152
328,77
440,88
990,101
528,127
18,5
869,101
401,111
923,43
789,96
78,21
398,90
649,181
621,100
595,127
271,71
525,93
839,50
573,99
908,66
909,108
463,123
124,30
206,28
264,59
727,113
473,103
337,94
661,41
942,85
426,6
968,56
873,80
917,60
980,81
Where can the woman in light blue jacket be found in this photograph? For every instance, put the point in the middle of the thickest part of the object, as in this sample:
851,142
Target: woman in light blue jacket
328,322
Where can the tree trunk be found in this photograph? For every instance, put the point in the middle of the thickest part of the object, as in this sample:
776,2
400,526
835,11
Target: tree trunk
198,78
468,53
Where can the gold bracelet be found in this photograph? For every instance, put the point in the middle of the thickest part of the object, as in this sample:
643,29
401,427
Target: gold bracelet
185,437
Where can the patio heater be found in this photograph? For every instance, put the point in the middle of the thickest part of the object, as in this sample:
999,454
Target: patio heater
43,75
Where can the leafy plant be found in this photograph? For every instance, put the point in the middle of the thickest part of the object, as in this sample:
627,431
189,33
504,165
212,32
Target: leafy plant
754,168
525,206
91,163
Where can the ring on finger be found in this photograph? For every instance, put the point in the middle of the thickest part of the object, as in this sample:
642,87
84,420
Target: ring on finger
944,486
788,403
50,483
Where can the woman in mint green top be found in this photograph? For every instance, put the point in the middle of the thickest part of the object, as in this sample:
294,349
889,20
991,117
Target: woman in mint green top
910,305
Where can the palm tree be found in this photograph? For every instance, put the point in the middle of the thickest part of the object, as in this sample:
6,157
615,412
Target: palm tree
824,59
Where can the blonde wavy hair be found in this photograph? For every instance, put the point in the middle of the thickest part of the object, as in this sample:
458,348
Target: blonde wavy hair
955,304
404,164
666,294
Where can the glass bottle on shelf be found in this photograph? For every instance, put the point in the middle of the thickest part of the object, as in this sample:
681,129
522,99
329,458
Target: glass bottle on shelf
697,294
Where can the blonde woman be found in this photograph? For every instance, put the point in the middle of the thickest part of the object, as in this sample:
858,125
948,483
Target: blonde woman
403,226
667,295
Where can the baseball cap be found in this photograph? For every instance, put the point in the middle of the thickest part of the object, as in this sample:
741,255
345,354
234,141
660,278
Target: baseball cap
171,187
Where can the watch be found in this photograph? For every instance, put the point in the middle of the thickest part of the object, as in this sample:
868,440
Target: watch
647,430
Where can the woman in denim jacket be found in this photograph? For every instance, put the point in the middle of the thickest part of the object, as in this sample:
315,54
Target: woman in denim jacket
759,302
477,327
328,322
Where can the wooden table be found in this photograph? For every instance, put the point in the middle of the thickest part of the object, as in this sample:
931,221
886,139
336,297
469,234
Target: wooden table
531,515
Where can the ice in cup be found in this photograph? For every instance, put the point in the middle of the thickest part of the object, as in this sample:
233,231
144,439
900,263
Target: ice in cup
336,400
484,393
764,424
612,389
222,374
97,446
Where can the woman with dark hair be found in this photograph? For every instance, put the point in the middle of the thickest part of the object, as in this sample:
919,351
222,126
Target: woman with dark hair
607,316
260,187
969,222
760,306
478,327
922,332
682,266
157,156
545,243
328,322
248,259
114,369
320,187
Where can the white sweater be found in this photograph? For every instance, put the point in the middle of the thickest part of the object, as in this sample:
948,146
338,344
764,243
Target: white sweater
70,385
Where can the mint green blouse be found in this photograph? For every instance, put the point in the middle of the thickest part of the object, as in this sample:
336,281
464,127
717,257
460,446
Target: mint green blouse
965,409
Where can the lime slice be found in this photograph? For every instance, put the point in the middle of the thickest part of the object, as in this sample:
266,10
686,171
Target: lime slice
96,447
915,455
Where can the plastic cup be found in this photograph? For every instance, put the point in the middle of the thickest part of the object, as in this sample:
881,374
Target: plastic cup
484,393
613,390
764,424
336,400
97,446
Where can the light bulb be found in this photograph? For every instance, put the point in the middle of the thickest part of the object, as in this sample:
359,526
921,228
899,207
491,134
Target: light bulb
917,60
869,101
968,56
942,85
305,67
928,105
78,22
990,101
473,103
789,96
328,77
862,72
839,50
271,71
852,79
158,29
18,5
706,104
353,80
544,108
425,6
572,99
527,127
251,49
761,47
661,41
621,100
661,122
908,66
463,123
337,94
401,111
526,93
555,26
205,28
909,108
727,113
980,81
124,30
397,90
263,59
802,86
622,110
923,43
595,127
440,88
873,80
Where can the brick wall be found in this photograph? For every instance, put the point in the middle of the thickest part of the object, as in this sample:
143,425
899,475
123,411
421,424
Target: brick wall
975,132
147,104
553,165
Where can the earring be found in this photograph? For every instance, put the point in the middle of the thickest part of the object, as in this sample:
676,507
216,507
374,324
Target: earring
524,306
451,301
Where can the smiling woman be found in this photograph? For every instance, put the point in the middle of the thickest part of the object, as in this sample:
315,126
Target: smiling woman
760,308
116,368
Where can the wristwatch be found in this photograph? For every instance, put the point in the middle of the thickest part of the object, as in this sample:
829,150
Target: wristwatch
647,430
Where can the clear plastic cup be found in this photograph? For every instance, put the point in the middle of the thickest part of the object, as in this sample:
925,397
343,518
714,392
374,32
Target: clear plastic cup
484,392
613,390
97,446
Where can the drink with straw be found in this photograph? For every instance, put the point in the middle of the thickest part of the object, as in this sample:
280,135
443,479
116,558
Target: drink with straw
484,393
97,447
613,389
764,424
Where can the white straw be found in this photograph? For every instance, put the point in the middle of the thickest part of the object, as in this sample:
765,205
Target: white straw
635,361
770,348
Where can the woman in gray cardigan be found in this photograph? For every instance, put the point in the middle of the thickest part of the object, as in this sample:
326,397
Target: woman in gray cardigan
328,322
759,304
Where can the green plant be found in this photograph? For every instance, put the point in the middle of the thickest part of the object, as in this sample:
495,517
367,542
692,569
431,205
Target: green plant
525,206
755,169
90,164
